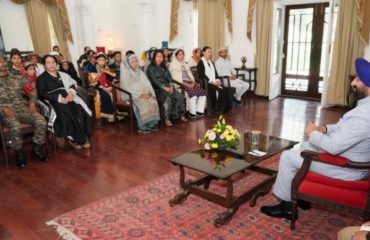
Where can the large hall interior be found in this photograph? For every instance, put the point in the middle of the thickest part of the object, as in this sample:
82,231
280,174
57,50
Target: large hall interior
184,119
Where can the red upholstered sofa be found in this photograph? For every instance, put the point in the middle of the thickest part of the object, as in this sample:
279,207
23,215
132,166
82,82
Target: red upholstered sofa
345,196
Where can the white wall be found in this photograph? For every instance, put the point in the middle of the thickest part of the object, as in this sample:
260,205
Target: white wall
14,26
239,44
136,25
187,28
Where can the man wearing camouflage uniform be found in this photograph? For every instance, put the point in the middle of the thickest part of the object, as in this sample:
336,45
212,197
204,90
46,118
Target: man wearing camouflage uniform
15,110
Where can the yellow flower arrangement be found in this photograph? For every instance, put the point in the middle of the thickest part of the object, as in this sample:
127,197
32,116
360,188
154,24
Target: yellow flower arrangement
220,136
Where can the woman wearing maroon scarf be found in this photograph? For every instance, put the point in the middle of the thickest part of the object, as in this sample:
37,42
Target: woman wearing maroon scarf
30,75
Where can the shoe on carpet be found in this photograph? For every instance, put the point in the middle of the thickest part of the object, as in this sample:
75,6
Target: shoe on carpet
281,210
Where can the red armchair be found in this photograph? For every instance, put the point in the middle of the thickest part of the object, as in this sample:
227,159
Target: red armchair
348,196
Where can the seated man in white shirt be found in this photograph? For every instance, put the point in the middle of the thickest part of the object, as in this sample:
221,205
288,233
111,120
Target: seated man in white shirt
224,68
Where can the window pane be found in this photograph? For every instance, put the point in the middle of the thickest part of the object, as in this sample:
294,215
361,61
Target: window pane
299,41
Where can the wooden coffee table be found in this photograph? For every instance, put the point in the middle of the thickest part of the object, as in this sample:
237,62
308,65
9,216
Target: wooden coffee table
238,160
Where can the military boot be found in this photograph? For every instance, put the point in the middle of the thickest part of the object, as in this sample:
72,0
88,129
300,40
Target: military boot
36,151
21,158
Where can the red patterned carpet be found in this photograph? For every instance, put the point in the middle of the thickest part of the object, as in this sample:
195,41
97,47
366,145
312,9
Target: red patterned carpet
143,213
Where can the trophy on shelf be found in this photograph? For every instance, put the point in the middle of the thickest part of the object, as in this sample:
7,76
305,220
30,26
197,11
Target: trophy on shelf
244,60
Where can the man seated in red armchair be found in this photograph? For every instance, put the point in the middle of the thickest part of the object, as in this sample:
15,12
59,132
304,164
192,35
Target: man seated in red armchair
349,138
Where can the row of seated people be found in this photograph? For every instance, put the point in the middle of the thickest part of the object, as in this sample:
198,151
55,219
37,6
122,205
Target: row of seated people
165,77
71,118
57,83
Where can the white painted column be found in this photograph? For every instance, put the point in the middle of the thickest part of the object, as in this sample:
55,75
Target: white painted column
148,26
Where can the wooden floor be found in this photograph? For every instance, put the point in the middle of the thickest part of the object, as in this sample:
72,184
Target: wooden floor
119,160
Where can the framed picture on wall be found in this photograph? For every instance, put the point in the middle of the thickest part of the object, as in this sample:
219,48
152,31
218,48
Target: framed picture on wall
2,47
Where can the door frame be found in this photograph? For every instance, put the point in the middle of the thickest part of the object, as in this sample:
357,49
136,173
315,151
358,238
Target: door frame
275,77
316,46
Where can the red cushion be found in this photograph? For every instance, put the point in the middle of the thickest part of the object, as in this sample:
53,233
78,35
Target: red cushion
350,193
332,159
362,185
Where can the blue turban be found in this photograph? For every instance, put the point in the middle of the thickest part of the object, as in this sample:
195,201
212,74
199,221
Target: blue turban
363,70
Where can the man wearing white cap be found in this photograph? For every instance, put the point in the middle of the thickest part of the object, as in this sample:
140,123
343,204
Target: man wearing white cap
349,138
225,68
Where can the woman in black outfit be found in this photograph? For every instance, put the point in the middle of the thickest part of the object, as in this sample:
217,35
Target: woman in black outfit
67,67
73,118
206,70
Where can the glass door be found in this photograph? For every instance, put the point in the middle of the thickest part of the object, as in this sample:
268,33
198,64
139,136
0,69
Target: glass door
302,73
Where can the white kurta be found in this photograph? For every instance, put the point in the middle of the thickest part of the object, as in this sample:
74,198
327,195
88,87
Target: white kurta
225,68
349,138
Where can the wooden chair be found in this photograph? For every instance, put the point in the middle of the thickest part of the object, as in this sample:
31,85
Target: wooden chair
182,90
160,97
26,131
122,105
344,196
84,76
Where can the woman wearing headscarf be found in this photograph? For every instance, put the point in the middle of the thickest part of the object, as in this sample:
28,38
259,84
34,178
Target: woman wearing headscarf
161,79
195,58
67,67
180,72
73,117
134,80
